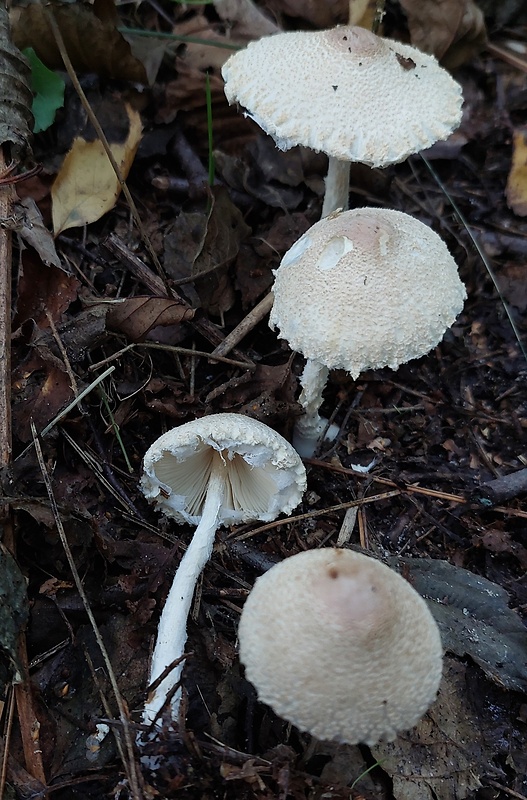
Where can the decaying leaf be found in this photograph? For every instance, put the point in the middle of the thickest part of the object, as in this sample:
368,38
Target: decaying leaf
16,119
43,291
473,617
246,19
226,228
453,30
13,606
516,190
137,316
31,228
41,390
93,45
199,243
199,55
444,755
87,186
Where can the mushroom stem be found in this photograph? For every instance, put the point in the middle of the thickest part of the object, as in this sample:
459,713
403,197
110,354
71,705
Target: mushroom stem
172,631
337,182
309,428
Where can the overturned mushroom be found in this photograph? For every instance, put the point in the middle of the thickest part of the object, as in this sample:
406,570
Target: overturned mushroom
218,470
345,92
363,289
341,646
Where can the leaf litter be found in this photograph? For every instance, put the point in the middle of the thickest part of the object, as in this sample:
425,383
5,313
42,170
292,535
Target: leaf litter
439,428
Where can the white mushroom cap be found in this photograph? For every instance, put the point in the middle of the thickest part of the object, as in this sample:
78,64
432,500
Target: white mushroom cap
341,646
263,474
345,92
366,289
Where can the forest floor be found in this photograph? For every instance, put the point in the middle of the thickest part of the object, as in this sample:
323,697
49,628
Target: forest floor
441,430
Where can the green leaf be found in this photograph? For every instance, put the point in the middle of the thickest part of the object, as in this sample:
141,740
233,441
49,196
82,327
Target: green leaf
48,91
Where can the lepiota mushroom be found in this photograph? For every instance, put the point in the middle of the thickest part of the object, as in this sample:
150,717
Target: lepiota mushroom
346,92
378,289
341,646
218,470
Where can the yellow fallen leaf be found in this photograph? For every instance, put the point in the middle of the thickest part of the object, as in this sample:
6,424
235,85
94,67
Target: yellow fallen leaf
87,186
516,190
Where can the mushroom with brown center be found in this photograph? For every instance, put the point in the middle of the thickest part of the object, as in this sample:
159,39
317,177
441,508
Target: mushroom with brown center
221,469
378,289
345,92
341,646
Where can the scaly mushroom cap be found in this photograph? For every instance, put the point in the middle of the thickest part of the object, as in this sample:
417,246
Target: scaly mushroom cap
366,289
341,646
345,92
264,474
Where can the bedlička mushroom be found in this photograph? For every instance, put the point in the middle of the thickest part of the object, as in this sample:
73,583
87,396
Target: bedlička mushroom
362,289
345,92
222,469
341,646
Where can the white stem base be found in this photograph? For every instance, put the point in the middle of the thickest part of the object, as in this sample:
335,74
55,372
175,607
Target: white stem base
309,428
337,187
172,631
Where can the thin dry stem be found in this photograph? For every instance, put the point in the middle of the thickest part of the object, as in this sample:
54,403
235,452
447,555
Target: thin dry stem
132,773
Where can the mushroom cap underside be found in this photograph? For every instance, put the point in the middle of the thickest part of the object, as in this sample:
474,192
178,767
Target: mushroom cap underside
264,475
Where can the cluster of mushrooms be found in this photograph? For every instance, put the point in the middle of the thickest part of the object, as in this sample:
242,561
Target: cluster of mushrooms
334,641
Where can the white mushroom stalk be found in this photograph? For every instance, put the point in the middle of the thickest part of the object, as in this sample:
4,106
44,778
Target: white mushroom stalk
341,646
378,289
345,92
218,470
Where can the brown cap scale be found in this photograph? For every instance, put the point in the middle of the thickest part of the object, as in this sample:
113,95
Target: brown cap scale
341,646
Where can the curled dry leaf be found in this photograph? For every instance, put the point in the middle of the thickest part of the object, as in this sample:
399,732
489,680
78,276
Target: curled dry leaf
93,45
452,30
87,186
137,316
31,228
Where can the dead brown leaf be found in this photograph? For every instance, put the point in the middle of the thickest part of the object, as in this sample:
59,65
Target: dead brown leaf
226,229
41,290
203,245
93,45
136,316
444,755
40,391
516,190
513,284
453,30
496,541
87,185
